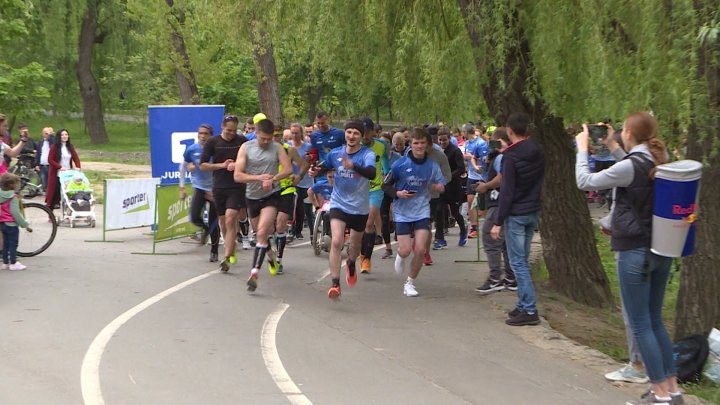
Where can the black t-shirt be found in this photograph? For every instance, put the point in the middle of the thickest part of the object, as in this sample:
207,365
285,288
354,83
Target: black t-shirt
220,150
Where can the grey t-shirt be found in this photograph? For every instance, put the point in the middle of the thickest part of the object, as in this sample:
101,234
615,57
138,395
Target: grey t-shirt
259,160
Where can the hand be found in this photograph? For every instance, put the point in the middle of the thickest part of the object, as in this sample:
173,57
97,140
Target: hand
313,171
226,163
296,180
495,232
481,187
438,188
264,177
190,167
347,163
37,168
605,231
28,229
267,185
404,194
231,167
467,155
582,139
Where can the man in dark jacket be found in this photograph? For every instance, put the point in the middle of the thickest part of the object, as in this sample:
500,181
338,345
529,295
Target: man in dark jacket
518,206
42,151
453,194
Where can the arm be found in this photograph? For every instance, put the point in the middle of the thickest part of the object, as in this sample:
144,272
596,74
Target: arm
207,154
368,172
494,183
444,164
15,211
287,169
38,152
15,150
507,191
388,186
75,158
618,175
459,165
301,163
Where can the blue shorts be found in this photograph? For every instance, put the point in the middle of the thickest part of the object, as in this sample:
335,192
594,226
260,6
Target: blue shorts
376,197
408,228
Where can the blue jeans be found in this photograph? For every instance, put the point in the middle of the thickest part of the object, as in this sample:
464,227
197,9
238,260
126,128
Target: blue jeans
10,243
642,285
518,235
44,176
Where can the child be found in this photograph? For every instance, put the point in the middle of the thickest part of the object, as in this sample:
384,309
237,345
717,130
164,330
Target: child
78,191
10,219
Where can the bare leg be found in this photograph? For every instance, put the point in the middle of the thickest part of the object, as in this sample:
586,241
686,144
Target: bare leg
422,239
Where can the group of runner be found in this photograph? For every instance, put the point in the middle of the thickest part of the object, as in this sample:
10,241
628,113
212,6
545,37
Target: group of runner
256,180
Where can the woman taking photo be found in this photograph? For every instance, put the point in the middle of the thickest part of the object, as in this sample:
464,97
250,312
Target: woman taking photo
642,274
62,156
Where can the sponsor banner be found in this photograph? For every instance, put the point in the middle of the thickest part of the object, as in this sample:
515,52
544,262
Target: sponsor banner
172,129
130,203
173,213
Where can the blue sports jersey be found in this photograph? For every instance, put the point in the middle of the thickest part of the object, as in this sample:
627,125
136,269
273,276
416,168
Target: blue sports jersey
478,148
395,157
453,140
200,179
351,193
327,141
322,188
418,177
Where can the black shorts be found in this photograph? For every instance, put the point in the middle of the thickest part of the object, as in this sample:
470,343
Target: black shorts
255,206
287,204
354,222
470,186
409,228
229,198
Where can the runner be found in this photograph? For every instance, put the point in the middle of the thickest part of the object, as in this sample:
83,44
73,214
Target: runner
202,182
288,199
382,166
303,210
257,165
397,152
410,180
229,196
475,147
354,166
326,138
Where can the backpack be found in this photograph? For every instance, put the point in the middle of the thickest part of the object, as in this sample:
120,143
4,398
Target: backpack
690,354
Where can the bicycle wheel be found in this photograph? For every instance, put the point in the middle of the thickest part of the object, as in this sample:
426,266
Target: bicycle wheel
317,233
42,221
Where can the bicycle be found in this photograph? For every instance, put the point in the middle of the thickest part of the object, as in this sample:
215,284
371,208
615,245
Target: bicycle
30,183
44,228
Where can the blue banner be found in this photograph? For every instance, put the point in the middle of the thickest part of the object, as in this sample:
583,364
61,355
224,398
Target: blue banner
172,129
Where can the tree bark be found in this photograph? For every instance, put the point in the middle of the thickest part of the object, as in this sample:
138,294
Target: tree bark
314,94
184,73
568,240
266,72
89,89
698,303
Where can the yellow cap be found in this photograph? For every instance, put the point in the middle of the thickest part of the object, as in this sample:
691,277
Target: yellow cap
259,117
491,129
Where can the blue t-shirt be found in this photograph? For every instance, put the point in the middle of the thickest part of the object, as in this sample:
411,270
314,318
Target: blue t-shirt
497,165
251,136
322,188
200,179
478,148
417,177
327,141
307,181
351,193
395,157
453,140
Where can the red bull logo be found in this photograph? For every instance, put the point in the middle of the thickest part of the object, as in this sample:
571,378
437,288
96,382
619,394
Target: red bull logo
678,209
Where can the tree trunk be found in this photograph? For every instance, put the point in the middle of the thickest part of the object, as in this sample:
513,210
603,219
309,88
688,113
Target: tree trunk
314,94
89,89
184,73
568,240
266,72
698,304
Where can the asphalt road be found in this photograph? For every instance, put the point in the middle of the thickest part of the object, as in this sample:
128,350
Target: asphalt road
209,341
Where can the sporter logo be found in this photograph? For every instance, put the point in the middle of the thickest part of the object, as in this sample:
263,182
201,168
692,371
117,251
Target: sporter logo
136,203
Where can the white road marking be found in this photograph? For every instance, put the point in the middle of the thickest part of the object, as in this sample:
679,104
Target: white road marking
299,244
272,359
89,373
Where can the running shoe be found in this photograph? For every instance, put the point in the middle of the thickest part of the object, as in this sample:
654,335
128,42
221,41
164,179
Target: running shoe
351,274
511,285
233,257
365,265
225,265
439,245
388,254
628,374
252,281
204,238
490,286
280,269
334,292
409,289
427,260
399,265
299,236
463,239
272,261
473,234
246,243
213,257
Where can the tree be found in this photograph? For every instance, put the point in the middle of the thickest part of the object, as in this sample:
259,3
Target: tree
89,89
183,70
268,84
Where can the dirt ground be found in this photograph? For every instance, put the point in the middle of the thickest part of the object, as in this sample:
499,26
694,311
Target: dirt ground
133,171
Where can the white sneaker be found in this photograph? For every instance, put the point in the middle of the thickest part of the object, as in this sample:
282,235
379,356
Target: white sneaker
246,243
17,266
5,266
409,289
628,374
399,265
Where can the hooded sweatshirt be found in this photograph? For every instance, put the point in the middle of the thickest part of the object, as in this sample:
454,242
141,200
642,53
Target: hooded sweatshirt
10,209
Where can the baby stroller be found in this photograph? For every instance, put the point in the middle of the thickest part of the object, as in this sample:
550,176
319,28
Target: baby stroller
76,200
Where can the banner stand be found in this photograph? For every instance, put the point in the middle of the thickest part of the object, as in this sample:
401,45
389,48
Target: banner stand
479,246
164,230
104,231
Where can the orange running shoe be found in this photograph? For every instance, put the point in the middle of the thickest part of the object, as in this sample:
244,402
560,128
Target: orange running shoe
351,273
427,260
334,292
365,265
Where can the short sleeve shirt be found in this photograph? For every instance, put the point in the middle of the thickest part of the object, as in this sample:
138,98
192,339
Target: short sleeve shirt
351,192
417,177
220,150
202,180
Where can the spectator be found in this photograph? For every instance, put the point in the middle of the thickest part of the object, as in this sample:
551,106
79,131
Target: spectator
62,156
5,150
42,153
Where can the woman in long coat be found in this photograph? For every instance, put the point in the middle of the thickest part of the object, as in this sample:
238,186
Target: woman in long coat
62,156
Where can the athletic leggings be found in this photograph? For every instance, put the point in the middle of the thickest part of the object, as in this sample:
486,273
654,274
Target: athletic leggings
440,212
196,217
385,217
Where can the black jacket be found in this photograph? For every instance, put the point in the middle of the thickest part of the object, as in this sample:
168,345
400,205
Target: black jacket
453,190
39,145
523,171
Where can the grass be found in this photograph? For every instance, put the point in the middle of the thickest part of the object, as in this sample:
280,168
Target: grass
609,337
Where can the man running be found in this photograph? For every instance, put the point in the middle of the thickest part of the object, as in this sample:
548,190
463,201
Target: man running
229,196
475,152
257,165
354,166
326,138
303,210
202,182
410,180
382,166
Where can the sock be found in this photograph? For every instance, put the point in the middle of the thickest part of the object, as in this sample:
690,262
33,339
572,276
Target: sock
259,256
336,281
675,394
281,241
410,280
368,242
244,227
662,398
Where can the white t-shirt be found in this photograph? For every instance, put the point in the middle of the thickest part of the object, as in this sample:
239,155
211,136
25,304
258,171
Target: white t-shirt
65,157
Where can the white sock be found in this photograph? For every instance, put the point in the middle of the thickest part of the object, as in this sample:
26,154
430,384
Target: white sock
410,280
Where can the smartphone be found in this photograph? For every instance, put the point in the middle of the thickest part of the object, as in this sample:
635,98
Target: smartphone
597,132
411,191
